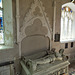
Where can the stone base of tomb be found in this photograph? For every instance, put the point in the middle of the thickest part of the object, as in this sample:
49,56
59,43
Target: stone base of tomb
55,68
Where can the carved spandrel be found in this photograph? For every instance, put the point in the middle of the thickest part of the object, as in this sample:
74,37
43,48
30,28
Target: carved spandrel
37,12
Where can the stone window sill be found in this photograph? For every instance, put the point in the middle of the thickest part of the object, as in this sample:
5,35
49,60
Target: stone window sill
3,47
66,41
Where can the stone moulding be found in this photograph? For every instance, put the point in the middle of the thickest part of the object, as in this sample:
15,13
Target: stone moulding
32,15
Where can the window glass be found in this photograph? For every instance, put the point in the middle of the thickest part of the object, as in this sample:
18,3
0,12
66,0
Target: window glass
1,24
66,24
1,3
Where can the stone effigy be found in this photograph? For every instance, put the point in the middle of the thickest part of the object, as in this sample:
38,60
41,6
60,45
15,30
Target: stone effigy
50,58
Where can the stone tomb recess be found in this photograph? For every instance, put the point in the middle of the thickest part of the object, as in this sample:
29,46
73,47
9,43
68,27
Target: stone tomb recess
44,61
35,38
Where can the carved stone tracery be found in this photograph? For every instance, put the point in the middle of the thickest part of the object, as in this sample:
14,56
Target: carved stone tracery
36,28
36,13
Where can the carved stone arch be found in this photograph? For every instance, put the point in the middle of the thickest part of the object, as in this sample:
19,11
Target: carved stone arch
36,12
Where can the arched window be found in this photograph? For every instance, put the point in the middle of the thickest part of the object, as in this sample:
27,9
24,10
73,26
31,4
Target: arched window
1,24
6,24
67,19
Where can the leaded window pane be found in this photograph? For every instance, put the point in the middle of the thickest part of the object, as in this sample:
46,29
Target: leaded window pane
1,24
66,23
1,3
